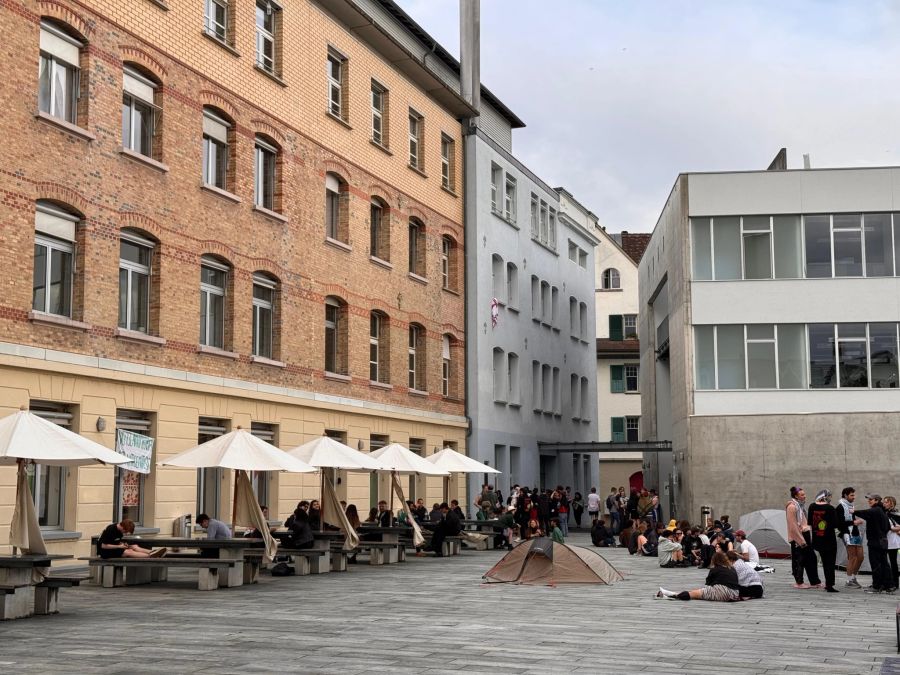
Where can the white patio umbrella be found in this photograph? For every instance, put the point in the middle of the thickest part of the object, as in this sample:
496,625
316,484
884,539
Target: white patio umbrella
242,451
456,462
26,437
328,453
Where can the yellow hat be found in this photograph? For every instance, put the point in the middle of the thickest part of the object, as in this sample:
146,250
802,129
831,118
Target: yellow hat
672,525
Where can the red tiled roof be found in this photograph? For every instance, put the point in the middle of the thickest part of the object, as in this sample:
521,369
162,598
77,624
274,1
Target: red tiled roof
607,347
634,244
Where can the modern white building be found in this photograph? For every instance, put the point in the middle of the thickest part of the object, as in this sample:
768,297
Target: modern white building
618,357
769,351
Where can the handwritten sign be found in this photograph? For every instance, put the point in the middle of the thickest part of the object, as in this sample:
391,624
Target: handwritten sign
136,447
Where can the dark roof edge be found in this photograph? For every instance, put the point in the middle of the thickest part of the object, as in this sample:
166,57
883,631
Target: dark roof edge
407,21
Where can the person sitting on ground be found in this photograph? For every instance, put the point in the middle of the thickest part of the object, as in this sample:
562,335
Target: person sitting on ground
721,543
556,533
721,584
111,545
727,529
751,585
651,540
669,549
533,530
745,548
435,514
300,534
215,529
637,538
601,535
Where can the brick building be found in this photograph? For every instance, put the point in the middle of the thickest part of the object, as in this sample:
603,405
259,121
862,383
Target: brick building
233,213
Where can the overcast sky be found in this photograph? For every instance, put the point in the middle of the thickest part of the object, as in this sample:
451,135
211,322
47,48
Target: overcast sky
620,97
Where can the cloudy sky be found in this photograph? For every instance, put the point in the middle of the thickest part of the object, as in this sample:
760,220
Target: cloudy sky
619,97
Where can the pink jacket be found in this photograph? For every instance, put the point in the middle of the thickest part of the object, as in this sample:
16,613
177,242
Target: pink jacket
795,531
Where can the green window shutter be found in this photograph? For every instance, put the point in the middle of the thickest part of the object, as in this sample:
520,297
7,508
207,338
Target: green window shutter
617,379
618,429
615,327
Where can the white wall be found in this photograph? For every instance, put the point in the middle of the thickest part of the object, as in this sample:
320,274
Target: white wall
624,301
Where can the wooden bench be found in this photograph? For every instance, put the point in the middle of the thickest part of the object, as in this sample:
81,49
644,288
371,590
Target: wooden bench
156,569
301,558
46,593
382,552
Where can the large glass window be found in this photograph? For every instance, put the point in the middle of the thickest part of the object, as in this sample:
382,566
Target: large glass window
853,356
818,246
730,352
791,356
48,483
335,84
379,348
58,73
509,199
138,112
822,370
379,114
209,480
416,124
263,316
213,278
416,248
702,249
757,239
379,230
264,174
705,357
611,279
879,245
788,246
216,19
761,357
847,245
883,355
215,149
335,337
448,153
54,250
333,227
133,440
446,366
416,357
266,18
727,248
135,255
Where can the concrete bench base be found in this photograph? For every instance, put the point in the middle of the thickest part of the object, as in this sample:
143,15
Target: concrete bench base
212,572
380,552
16,601
46,593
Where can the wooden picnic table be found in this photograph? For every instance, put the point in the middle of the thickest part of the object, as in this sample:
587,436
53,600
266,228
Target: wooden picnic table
17,586
234,548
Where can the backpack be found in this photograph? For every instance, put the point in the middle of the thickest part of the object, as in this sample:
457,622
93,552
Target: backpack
282,569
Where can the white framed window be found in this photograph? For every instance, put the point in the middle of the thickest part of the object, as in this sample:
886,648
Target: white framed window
266,25
535,224
416,123
496,182
551,232
509,199
446,251
448,152
379,231
629,323
445,366
334,329
263,315
264,155
512,285
379,114
54,260
213,282
215,19
138,111
135,261
376,357
215,149
573,251
58,73
611,279
48,483
414,366
545,223
336,65
631,377
497,280
332,206
632,429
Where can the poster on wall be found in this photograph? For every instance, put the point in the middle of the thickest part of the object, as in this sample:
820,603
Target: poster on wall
136,447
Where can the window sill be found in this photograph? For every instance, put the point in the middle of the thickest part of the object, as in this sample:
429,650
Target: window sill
417,392
262,360
632,392
339,120
380,385
417,170
224,45
536,411
510,308
60,535
535,319
576,419
415,277
546,246
215,351
57,320
449,191
337,377
381,262
515,405
272,76
338,244
269,213
143,159
219,192
610,290
138,336
140,530
161,4
500,401
451,291
509,221
73,129
381,147
453,399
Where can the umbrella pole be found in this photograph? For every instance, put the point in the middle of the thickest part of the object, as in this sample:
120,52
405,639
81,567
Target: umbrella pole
234,505
322,501
447,489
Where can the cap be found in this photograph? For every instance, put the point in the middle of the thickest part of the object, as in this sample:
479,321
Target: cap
874,496
672,525
741,533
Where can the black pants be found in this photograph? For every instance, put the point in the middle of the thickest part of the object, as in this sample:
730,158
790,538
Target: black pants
828,557
751,591
892,559
881,570
803,559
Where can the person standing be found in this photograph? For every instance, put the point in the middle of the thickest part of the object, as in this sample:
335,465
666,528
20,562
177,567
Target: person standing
849,532
877,528
562,511
593,505
893,537
802,557
578,509
612,505
822,519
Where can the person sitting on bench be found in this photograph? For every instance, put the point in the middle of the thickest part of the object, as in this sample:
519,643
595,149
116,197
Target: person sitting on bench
301,534
111,545
450,526
215,529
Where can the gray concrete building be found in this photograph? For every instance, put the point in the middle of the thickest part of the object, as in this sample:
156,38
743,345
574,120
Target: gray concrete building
769,344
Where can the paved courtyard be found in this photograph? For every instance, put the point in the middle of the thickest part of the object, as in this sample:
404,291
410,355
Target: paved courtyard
433,616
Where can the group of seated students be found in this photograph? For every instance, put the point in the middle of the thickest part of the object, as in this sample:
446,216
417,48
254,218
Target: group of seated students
730,578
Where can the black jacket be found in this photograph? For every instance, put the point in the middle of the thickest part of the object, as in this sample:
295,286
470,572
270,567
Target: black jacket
452,525
723,576
300,531
822,518
877,526
845,526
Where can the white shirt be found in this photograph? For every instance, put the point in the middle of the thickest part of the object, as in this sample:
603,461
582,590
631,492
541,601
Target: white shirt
593,501
747,547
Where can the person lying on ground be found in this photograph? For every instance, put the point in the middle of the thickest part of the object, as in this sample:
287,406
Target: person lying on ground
721,585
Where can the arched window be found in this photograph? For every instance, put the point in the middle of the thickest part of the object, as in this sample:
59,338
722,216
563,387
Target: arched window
214,281
266,170
449,263
337,208
416,353
379,348
54,258
335,336
512,285
265,316
611,279
379,230
140,111
137,281
218,149
416,247
59,74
